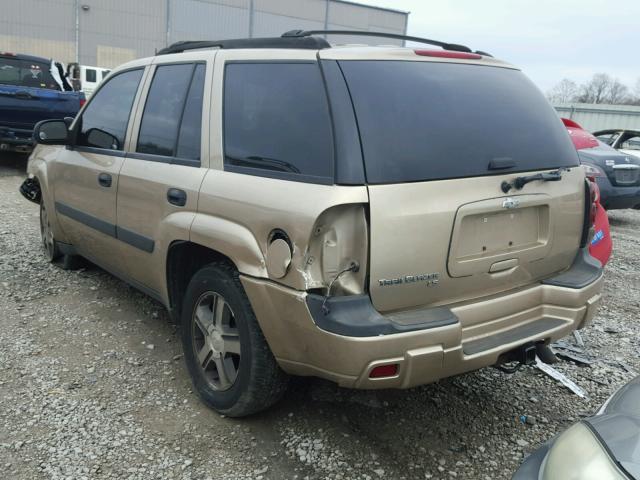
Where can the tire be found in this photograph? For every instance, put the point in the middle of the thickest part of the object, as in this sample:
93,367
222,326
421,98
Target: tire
230,363
49,244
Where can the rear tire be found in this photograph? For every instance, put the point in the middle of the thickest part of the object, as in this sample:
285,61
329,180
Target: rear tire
230,363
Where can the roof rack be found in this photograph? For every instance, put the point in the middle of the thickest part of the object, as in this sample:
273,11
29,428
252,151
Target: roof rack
303,39
309,33
306,42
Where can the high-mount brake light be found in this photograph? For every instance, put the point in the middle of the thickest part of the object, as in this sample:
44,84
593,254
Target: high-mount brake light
448,54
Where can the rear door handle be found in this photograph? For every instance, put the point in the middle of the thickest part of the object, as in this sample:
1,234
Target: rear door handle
104,179
177,197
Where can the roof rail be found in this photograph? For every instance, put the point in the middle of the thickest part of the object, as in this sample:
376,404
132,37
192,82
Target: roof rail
303,42
444,45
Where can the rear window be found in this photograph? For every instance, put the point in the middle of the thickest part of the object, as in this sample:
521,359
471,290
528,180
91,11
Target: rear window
431,121
25,73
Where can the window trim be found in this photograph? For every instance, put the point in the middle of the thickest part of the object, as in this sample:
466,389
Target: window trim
172,160
261,172
78,120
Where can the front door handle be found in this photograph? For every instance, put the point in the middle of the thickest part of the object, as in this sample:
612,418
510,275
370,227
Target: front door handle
104,179
177,197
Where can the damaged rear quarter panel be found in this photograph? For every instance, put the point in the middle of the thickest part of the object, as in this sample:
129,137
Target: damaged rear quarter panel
259,205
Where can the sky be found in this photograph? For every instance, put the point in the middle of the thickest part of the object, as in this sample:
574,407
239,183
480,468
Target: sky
548,39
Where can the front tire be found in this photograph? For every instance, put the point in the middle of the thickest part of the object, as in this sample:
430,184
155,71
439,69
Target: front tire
49,244
230,363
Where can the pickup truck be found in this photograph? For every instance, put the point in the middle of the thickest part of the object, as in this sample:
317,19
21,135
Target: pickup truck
32,89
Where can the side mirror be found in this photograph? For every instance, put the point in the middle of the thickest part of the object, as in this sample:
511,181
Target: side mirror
51,132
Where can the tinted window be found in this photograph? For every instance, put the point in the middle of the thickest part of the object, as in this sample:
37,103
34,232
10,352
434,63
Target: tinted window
26,73
428,120
276,118
104,121
191,126
90,73
163,109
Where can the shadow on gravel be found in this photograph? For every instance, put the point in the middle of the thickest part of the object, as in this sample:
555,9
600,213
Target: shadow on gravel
13,164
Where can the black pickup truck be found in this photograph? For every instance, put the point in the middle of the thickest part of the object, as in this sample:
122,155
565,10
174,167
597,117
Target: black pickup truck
32,89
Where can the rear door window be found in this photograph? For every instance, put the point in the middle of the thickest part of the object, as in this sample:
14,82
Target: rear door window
104,121
276,121
172,117
431,121
26,73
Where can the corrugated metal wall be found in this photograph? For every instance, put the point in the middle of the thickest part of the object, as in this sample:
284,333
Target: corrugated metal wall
110,32
601,117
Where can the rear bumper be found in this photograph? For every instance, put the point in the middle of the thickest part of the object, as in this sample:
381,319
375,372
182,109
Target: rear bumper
481,332
15,139
614,197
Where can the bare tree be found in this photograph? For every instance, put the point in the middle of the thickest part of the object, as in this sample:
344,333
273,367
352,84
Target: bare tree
596,89
565,91
618,93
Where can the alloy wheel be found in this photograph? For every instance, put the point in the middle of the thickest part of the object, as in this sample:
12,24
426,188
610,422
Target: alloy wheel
216,341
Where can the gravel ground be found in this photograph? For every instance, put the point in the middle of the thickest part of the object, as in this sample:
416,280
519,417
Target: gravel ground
92,385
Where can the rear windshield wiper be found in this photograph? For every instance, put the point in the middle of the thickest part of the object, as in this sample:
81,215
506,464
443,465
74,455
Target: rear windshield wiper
263,162
520,182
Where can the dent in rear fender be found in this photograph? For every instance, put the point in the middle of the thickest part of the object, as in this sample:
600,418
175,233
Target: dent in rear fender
232,240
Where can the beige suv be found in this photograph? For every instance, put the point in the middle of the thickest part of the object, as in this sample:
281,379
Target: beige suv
381,217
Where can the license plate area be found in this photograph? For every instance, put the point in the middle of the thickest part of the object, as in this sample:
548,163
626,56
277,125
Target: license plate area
626,177
485,232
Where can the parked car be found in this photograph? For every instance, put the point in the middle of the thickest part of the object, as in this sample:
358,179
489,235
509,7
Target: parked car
626,141
603,447
308,210
601,245
86,78
617,174
32,89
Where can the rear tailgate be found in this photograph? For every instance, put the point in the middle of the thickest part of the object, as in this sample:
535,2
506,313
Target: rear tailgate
438,140
29,93
23,107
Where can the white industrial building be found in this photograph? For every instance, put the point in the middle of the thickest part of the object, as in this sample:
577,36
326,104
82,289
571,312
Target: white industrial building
601,117
107,33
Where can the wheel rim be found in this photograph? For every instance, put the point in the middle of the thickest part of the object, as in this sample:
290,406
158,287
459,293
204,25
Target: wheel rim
46,233
216,341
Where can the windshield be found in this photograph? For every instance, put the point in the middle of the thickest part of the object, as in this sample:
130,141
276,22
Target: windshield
26,73
429,120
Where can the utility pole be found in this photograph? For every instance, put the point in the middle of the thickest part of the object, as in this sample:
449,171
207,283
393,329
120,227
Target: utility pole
76,4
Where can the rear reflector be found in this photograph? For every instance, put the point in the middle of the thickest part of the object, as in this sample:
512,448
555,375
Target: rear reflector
448,54
384,371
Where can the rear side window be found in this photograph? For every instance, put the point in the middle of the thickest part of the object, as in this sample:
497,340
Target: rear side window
431,121
25,73
276,121
104,121
172,117
90,74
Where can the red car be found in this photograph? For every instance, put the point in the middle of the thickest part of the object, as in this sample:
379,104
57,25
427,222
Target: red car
601,244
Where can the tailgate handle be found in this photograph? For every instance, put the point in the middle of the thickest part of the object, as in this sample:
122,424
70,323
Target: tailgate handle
503,265
23,95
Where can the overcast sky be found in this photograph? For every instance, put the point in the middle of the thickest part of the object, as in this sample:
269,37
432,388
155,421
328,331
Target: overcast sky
548,39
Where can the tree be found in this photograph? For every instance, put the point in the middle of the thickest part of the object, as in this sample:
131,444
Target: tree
618,93
595,90
565,91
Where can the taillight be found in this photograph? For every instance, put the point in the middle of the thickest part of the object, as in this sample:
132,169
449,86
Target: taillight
448,54
82,102
594,193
